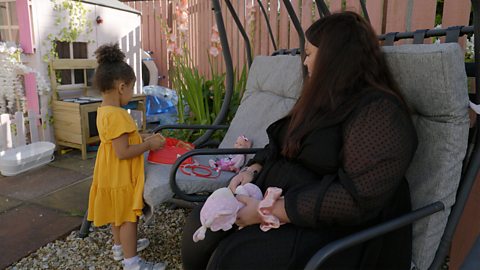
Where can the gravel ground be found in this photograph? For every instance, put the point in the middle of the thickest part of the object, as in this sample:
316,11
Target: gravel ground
93,252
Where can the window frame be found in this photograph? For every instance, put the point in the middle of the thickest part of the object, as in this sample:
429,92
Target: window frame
71,55
9,26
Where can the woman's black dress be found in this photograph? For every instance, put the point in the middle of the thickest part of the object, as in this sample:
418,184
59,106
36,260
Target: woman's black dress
348,175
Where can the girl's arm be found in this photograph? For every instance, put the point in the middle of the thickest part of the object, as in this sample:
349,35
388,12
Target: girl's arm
127,151
145,135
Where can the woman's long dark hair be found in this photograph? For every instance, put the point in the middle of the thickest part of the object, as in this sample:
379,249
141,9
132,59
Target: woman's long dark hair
348,61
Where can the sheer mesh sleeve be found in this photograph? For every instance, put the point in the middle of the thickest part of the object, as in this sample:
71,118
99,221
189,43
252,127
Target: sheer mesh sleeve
379,142
260,156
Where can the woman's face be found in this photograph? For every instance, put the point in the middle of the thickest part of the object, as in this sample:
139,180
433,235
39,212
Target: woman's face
310,52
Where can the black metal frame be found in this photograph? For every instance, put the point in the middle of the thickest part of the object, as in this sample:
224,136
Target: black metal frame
472,164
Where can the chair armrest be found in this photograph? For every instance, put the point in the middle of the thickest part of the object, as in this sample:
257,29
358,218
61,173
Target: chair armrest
200,152
185,126
473,258
341,244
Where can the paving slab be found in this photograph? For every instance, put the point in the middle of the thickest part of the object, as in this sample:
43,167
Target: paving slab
73,161
38,182
29,227
8,203
72,199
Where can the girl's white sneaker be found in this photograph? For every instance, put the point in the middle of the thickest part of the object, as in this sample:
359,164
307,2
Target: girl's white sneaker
144,265
142,244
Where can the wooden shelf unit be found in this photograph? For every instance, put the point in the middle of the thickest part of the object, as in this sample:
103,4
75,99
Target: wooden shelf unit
75,123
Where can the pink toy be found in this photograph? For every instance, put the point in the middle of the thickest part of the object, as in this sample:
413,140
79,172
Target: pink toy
220,210
232,163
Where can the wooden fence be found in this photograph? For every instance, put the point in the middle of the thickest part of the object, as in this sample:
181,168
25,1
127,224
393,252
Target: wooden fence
385,15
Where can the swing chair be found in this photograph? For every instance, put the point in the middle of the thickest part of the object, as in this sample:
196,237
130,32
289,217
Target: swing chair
442,171
440,178
268,93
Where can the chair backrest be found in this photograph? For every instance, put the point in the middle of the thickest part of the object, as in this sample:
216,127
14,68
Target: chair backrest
433,81
273,86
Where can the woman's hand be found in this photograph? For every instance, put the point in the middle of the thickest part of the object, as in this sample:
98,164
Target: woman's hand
240,179
248,215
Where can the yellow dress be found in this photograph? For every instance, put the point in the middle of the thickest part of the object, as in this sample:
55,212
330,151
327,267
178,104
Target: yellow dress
116,194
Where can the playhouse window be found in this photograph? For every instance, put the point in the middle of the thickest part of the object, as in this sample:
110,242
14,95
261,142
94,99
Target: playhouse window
8,21
73,50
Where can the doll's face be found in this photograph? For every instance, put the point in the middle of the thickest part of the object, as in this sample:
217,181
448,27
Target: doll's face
242,142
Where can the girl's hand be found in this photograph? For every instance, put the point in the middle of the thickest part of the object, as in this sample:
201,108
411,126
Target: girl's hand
240,179
145,136
156,141
248,215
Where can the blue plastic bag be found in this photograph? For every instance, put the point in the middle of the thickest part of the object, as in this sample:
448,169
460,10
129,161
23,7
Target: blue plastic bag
161,104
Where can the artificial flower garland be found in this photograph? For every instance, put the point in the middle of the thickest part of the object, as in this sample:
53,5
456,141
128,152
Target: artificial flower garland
12,93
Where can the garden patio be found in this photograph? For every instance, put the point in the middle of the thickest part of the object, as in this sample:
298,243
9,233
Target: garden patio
185,42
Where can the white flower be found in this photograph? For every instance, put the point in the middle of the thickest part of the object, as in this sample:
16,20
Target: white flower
12,94
469,50
183,28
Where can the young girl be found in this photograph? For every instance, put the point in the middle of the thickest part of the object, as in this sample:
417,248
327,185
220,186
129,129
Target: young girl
118,178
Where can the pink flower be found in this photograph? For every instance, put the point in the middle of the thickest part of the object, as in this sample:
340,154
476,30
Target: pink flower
171,47
250,9
184,4
216,47
182,16
214,51
183,28
215,38
178,51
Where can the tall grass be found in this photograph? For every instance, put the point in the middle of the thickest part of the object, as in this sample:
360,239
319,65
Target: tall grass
199,98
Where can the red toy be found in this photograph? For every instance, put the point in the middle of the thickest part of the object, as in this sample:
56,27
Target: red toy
172,149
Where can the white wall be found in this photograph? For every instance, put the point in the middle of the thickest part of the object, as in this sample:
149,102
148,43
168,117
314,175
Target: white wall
123,27
118,26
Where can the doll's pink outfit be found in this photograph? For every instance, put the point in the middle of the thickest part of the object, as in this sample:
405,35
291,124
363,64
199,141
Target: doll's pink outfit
229,163
232,163
220,210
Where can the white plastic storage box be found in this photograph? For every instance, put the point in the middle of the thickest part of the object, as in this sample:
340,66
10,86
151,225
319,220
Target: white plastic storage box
20,159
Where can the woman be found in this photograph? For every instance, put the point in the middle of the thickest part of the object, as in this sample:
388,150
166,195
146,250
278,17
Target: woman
339,156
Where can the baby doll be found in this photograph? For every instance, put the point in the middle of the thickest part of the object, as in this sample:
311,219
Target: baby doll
220,210
232,163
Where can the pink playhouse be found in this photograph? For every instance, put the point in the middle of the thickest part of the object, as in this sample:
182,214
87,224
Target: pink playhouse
32,35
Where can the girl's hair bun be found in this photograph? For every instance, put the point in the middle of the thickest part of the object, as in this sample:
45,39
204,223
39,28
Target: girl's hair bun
109,53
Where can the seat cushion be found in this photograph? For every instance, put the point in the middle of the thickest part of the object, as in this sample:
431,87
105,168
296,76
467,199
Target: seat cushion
433,82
